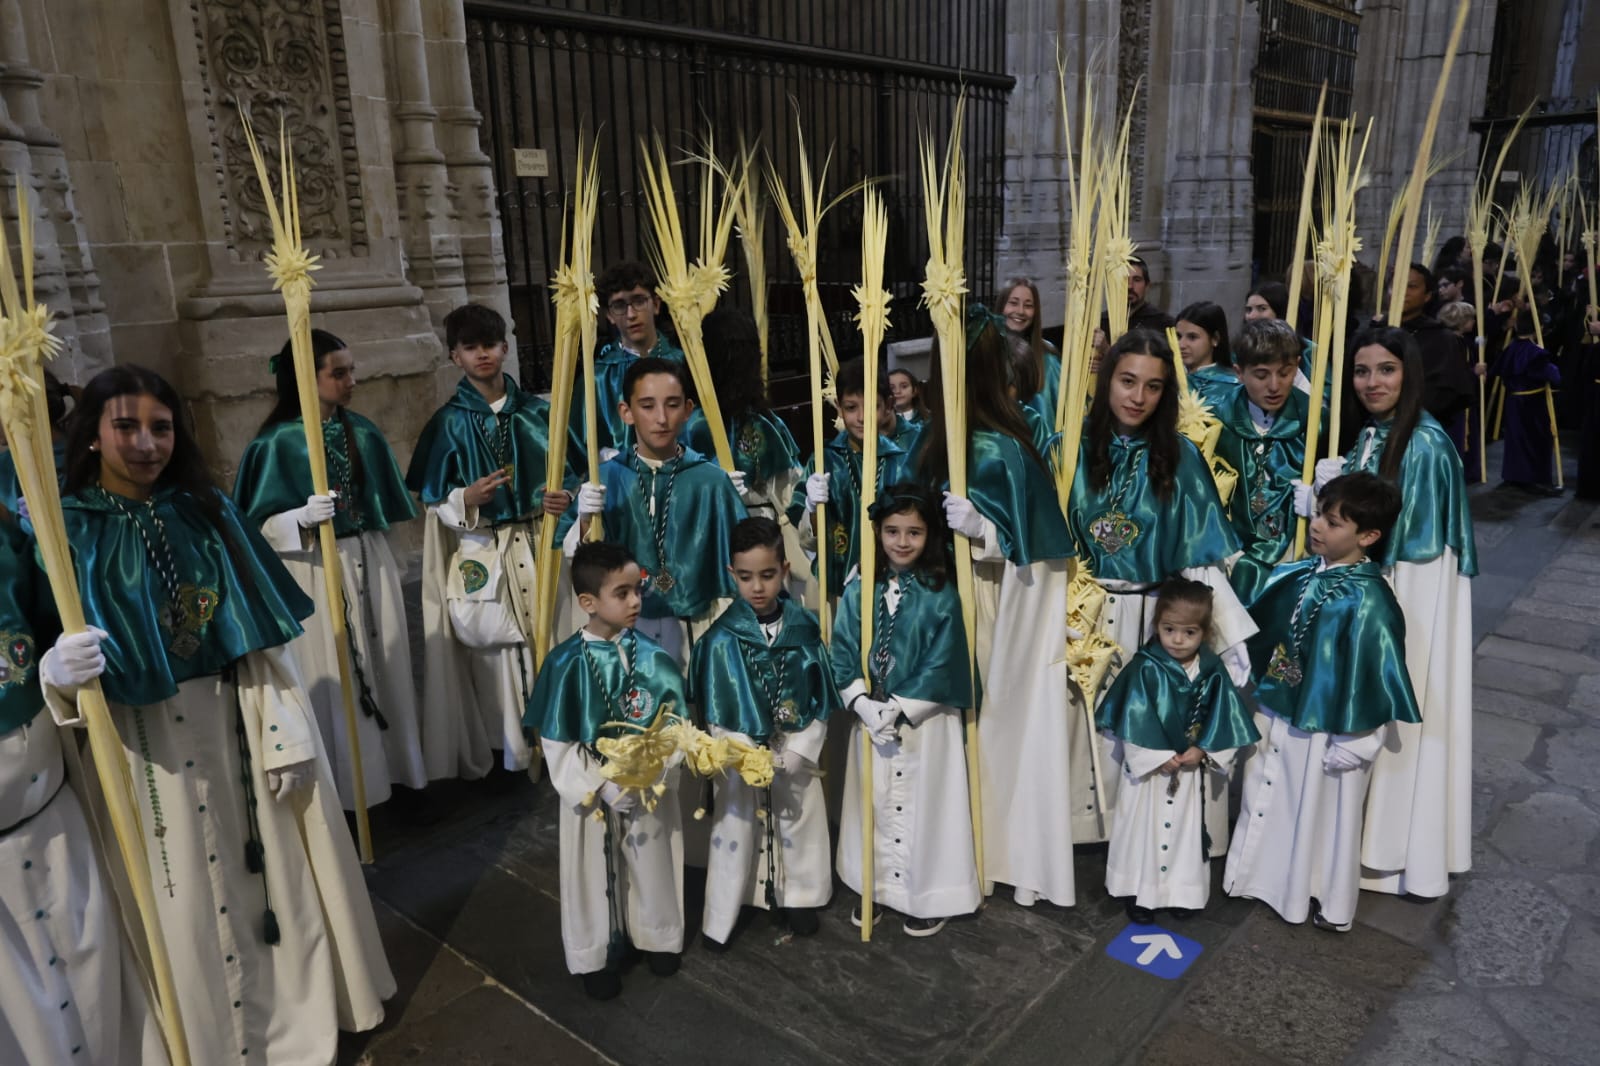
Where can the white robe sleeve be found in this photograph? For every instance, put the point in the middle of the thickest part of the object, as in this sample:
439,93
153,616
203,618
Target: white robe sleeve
1363,746
917,711
284,533
1222,761
287,726
1139,763
1229,619
573,773
574,537
807,530
986,545
63,705
807,743
847,695
454,511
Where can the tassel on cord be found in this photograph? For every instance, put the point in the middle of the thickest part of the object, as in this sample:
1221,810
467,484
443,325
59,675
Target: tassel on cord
255,853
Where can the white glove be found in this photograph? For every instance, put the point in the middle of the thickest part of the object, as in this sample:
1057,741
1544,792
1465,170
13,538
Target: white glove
1337,760
742,486
75,660
318,509
608,454
1237,661
591,499
286,780
1327,470
962,517
1305,500
816,491
618,798
878,717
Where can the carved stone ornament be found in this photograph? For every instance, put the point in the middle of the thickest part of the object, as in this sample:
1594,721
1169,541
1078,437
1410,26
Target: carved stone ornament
282,57
1133,64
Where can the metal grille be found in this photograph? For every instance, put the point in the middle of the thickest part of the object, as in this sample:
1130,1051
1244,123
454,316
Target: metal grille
863,77
1303,43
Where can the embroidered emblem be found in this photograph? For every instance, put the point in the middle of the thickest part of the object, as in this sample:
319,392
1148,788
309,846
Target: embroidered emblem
17,662
196,606
840,540
640,705
1284,667
474,575
1114,531
752,441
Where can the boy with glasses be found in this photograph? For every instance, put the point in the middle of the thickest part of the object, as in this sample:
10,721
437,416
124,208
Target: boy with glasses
627,292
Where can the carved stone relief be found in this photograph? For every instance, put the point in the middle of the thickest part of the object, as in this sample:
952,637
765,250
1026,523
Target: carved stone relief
1133,73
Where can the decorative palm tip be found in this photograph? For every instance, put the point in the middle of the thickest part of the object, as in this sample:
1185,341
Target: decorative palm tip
291,264
943,286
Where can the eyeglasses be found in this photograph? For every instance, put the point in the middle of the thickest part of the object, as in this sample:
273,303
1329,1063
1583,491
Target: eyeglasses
636,302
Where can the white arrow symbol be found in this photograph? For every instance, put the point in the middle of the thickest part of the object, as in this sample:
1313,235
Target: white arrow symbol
1159,944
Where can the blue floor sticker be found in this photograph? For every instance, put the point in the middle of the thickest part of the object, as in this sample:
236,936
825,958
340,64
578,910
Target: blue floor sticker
1154,950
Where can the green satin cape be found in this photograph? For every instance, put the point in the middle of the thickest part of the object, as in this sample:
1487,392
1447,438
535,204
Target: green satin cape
1277,457
763,447
1153,704
1433,491
256,604
721,681
275,476
11,487
456,449
1353,663
1015,493
568,706
1187,529
1043,402
611,362
844,501
1215,386
27,627
701,515
928,646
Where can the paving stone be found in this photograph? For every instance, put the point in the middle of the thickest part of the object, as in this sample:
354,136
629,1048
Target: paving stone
1444,1030
1416,922
1365,957
1577,971
1572,595
1572,635
485,1027
1519,678
1521,651
1547,830
1500,773
1543,607
1485,808
1586,694
1182,1043
1571,575
1504,931
1522,708
1577,890
1552,1023
1571,756
1503,737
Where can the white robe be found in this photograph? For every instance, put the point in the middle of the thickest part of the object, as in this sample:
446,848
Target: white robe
70,990
1129,620
1298,837
924,865
736,875
1156,855
377,621
484,689
647,857
1024,726
285,1003
1419,806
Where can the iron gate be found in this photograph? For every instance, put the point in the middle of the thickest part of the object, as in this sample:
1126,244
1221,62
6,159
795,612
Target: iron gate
864,78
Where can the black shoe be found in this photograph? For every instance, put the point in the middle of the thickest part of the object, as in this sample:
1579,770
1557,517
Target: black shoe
924,926
1140,915
803,921
713,945
602,984
1182,914
410,806
663,963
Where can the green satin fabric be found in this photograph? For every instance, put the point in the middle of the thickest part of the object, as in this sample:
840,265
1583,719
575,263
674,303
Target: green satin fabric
1215,385
701,514
11,486
27,627
1043,402
721,684
1185,530
763,447
928,646
1153,704
844,501
611,362
275,476
456,448
906,433
1353,663
1015,493
1278,458
1434,514
258,604
569,706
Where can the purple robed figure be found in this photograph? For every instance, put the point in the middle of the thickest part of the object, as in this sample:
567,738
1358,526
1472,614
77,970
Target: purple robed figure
1525,369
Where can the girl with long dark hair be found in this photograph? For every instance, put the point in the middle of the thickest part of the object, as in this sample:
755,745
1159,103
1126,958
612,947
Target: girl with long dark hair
1419,807
273,941
1207,356
1145,509
368,497
1021,549
1036,365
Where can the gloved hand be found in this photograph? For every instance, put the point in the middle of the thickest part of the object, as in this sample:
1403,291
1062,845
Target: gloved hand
608,454
75,660
286,780
742,487
877,717
1237,661
1337,760
1327,470
318,509
1305,500
618,798
789,761
962,516
816,492
591,499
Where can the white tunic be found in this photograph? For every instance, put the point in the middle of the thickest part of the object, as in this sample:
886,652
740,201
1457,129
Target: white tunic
70,990
1298,837
1024,727
736,874
376,613
282,1003
1419,807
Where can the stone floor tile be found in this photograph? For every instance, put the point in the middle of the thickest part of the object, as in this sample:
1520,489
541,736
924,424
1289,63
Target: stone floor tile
1570,757
1581,891
1505,931
1538,606
1181,1043
1523,708
1538,629
1413,921
1586,694
1572,595
1577,971
1503,737
1518,678
1530,654
1443,1030
1547,830
1564,1027
485,1027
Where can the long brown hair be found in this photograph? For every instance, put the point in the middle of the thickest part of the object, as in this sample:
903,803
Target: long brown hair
1407,409
1028,351
989,405
1160,430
